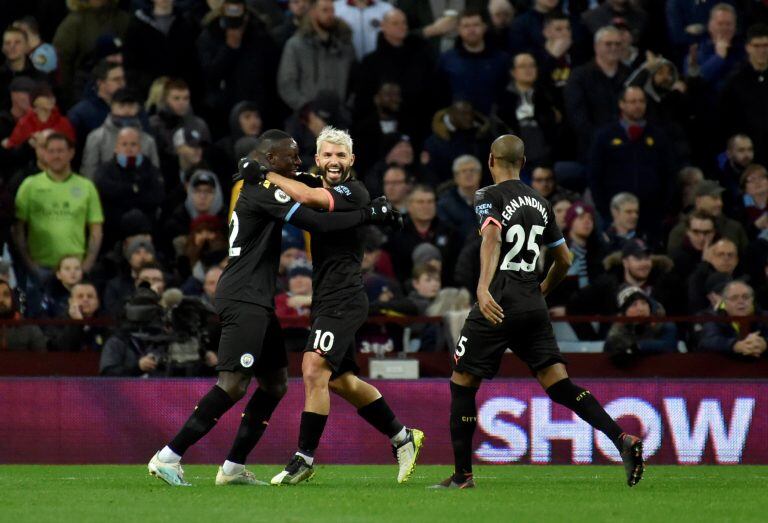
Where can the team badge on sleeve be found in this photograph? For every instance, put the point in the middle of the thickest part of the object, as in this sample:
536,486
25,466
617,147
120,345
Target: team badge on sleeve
281,197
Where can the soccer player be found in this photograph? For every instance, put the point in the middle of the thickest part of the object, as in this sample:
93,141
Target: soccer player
251,340
515,222
339,309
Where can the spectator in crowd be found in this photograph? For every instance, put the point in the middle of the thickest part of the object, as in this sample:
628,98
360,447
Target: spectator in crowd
100,144
688,180
639,338
720,52
137,251
205,289
364,17
456,130
77,34
151,273
17,337
543,180
83,304
205,245
587,253
630,55
56,292
744,338
204,197
436,20
700,232
244,121
91,111
526,33
175,112
405,59
501,13
379,284
754,202
594,89
740,153
53,210
560,205
686,21
667,102
615,12
529,111
44,114
375,131
744,101
472,70
625,211
397,185
297,300
43,55
11,160
456,205
426,287
557,56
33,166
158,42
292,251
17,63
238,59
709,199
401,154
317,58
189,146
633,155
720,257
634,265
422,226
128,181
293,17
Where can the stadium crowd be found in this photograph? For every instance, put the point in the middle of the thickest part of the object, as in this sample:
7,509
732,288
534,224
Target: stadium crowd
122,122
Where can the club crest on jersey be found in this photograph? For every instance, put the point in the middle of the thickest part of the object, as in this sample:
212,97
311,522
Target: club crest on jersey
281,197
246,360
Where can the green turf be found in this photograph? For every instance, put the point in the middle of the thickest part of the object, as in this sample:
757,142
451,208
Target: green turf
370,493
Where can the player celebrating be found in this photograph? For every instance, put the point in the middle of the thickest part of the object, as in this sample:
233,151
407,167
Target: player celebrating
511,312
339,309
251,340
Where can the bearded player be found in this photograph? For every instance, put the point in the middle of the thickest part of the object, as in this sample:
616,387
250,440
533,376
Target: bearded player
515,223
339,309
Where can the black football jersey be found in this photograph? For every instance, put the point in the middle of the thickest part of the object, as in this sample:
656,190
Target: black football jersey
527,223
255,234
337,256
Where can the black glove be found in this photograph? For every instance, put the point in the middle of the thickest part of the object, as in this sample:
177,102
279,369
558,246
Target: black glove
251,171
379,211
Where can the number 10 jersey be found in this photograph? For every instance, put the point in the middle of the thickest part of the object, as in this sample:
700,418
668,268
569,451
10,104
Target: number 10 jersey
527,223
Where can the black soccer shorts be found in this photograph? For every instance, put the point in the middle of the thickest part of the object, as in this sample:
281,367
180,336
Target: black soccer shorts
332,335
528,334
251,339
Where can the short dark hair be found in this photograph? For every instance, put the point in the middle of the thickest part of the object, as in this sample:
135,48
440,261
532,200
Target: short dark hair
13,29
425,268
175,84
89,283
30,22
757,31
270,138
555,16
699,215
470,13
125,96
59,136
423,187
101,70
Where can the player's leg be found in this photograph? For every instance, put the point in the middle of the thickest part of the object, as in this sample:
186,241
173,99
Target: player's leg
559,387
230,387
477,356
317,404
373,408
254,421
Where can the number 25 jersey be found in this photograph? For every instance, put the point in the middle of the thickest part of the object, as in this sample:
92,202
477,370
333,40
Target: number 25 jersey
527,223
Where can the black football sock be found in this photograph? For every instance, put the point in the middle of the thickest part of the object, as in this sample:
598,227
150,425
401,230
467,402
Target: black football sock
310,431
207,412
584,404
381,417
463,423
252,425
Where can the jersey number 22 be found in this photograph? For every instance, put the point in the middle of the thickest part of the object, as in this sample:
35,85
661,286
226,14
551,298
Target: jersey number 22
516,236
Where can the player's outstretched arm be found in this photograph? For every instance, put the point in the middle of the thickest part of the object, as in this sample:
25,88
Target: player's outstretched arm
315,197
379,211
558,270
490,250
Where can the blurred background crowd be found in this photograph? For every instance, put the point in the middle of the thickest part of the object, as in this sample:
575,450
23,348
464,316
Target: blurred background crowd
122,121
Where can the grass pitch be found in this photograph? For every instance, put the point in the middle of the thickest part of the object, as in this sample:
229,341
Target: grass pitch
513,493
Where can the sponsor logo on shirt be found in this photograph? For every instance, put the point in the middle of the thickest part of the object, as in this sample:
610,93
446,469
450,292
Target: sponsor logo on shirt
343,189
